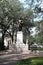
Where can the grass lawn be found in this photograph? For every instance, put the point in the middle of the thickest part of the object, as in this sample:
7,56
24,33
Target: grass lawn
40,49
31,61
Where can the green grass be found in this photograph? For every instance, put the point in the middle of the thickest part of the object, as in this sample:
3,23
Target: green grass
31,61
40,49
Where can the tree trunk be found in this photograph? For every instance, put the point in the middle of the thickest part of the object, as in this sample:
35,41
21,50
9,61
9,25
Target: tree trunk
12,32
2,41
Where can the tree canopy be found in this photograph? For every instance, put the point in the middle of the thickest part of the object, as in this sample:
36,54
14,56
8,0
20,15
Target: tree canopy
10,12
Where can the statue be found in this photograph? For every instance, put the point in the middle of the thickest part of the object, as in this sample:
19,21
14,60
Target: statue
20,24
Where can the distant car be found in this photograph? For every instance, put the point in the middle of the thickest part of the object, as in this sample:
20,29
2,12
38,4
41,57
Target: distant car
40,46
33,47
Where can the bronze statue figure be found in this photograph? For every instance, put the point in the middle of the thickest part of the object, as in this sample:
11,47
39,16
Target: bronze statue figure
20,24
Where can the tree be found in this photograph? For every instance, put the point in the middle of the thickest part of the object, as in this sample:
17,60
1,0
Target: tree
10,12
39,29
35,6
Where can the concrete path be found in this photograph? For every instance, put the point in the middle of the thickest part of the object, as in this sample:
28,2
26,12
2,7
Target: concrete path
8,58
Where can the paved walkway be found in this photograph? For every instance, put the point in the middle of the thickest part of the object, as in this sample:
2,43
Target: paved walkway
9,58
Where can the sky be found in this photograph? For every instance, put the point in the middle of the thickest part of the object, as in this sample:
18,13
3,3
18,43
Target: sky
33,31
22,0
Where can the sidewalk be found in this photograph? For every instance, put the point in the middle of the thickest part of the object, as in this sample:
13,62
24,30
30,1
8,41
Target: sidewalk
4,52
23,55
10,58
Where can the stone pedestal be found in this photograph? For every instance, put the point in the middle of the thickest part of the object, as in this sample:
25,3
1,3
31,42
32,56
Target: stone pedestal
20,37
19,43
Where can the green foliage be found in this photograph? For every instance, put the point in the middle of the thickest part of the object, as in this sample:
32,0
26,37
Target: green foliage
28,18
31,39
10,13
39,35
13,10
40,49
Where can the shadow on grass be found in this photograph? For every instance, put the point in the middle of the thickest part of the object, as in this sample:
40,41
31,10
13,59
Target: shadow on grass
24,62
31,61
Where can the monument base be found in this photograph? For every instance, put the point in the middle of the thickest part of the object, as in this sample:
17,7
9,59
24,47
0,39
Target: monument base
20,36
19,43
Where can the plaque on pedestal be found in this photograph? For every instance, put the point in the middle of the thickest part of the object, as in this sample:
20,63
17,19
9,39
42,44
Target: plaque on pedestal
20,36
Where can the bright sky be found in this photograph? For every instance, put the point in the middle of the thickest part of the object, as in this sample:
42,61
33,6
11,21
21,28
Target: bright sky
22,1
33,32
